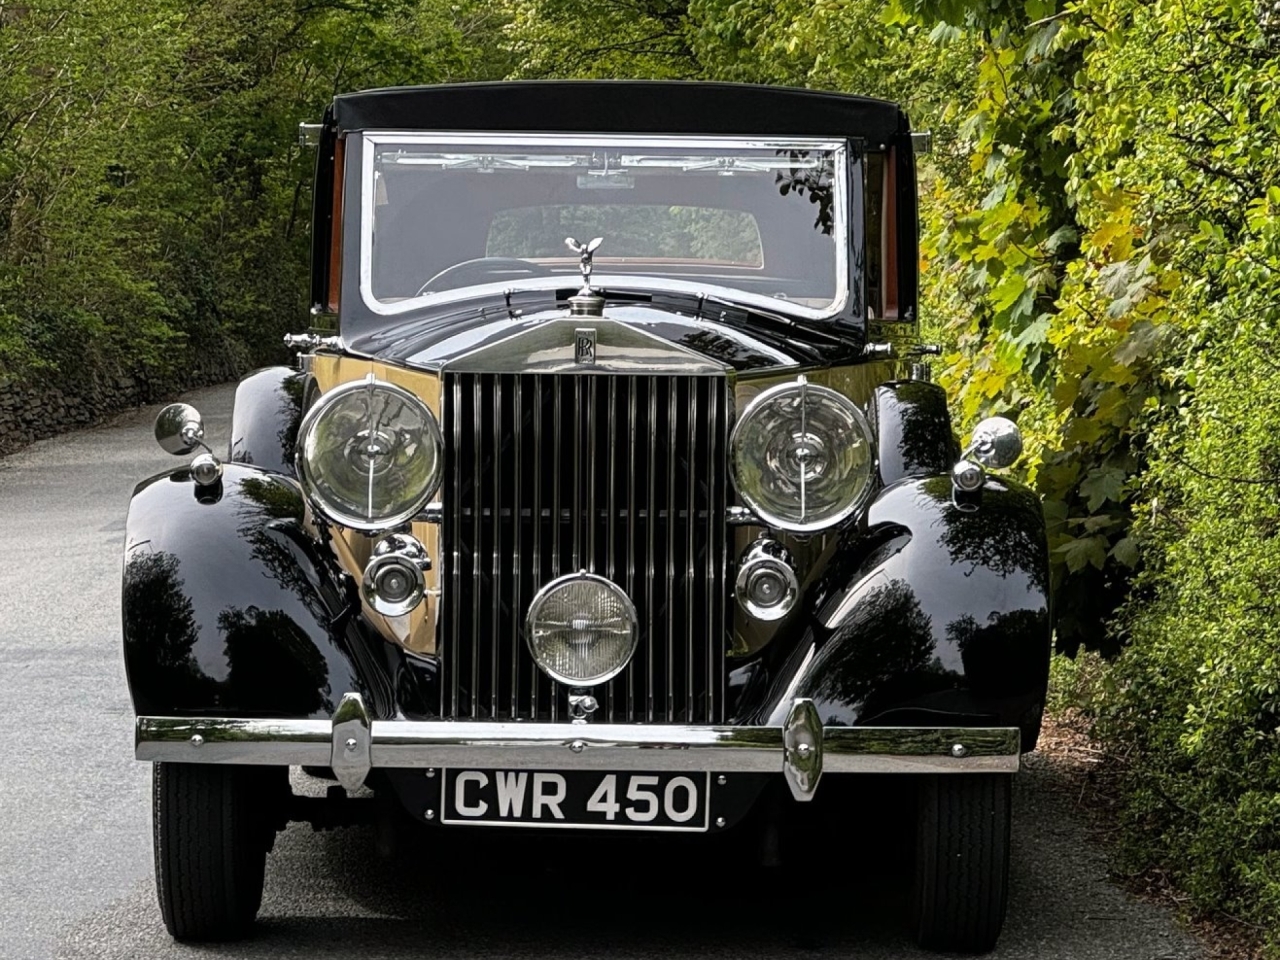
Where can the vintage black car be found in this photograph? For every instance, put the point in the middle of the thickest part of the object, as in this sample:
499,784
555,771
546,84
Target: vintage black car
609,492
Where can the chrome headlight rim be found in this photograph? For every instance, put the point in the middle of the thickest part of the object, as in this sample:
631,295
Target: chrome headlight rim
760,510
308,480
539,599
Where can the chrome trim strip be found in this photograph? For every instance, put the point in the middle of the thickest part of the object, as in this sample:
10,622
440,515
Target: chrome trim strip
557,455
551,746
592,518
575,508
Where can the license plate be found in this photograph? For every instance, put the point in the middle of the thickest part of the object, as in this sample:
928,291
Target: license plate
577,798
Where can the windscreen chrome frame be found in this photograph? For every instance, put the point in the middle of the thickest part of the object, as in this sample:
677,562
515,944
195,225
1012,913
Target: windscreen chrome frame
840,221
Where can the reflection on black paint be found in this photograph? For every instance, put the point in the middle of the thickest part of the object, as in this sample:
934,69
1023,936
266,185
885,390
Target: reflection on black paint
927,441
289,415
1005,536
228,607
270,513
949,613
1002,647
886,641
270,643
269,499
729,352
163,634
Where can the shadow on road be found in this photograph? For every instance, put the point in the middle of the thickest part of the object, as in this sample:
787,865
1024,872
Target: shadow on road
842,892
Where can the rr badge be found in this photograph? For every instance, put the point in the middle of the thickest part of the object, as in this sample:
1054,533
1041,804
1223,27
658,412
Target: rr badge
584,345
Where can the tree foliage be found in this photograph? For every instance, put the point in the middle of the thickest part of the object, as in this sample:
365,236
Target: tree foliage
153,201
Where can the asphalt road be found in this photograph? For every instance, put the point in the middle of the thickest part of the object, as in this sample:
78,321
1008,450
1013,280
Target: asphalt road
75,845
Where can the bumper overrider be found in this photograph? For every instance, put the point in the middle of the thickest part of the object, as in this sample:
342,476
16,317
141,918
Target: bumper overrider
801,749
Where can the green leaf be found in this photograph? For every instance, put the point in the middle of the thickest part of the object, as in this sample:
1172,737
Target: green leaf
1007,291
1142,340
1102,484
1082,552
1060,237
1035,332
1126,551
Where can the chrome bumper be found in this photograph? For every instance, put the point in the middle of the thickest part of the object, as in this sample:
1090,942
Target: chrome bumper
801,749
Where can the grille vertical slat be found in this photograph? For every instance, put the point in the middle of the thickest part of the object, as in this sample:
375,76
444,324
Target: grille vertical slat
536,514
477,521
611,516
537,486
453,649
517,514
691,504
672,524
651,605
498,529
633,446
714,625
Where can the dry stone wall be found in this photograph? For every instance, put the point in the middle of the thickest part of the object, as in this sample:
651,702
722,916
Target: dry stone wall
45,404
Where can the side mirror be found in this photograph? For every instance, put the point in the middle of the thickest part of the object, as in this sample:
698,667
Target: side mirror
179,429
997,442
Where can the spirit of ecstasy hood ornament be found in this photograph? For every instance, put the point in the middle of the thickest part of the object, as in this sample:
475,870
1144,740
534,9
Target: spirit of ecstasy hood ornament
586,302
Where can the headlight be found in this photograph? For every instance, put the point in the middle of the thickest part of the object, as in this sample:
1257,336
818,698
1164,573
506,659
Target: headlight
581,629
802,456
369,454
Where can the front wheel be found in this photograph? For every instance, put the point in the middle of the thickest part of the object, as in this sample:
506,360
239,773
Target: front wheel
212,827
962,861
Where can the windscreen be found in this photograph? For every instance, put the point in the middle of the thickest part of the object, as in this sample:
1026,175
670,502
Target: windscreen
762,221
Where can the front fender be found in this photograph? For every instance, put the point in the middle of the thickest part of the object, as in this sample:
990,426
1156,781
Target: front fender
264,421
230,607
913,431
948,614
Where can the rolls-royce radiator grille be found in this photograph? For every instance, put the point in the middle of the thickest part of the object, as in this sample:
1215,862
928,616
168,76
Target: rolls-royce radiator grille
622,476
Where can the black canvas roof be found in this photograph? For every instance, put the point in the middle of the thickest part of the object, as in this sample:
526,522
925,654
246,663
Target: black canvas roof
620,106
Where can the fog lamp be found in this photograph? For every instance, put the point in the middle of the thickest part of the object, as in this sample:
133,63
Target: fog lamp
767,586
394,581
581,629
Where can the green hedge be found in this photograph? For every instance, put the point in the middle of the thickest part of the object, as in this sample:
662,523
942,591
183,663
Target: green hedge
1194,705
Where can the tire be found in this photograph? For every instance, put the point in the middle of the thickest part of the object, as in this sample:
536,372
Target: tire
962,861
212,826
